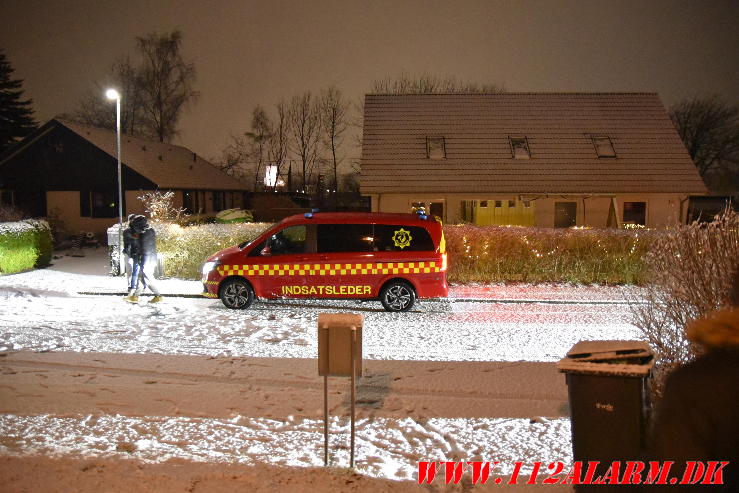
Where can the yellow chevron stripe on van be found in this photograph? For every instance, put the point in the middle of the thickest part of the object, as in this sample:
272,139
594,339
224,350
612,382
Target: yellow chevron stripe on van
328,269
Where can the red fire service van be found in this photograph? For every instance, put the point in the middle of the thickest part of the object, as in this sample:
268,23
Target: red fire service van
395,258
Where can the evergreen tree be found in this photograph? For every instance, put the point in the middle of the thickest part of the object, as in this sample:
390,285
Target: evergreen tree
16,115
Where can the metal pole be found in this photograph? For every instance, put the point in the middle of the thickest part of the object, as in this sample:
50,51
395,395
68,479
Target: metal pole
120,186
325,420
354,366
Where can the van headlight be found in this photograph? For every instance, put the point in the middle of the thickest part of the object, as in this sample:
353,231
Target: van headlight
208,267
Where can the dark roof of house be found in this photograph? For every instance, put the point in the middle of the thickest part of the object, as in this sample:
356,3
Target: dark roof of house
650,157
167,165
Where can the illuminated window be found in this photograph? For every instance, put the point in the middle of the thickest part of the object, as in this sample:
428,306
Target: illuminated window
603,146
435,148
520,148
511,203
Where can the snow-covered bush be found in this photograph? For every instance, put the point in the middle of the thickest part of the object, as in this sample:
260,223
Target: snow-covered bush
184,249
690,274
499,253
160,209
24,245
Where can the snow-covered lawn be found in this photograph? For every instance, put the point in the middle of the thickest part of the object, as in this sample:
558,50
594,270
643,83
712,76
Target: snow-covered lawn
43,310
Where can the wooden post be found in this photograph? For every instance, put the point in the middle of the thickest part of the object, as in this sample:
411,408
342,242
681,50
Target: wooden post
339,354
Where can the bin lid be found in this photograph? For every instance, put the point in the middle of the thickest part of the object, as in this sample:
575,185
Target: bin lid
617,358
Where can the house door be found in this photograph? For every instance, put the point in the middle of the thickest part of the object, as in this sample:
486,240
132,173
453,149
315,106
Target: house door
565,214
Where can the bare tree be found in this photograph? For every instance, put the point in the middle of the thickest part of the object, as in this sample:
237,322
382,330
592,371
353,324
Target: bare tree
690,274
233,158
278,142
426,83
258,141
334,112
709,128
167,82
305,133
97,111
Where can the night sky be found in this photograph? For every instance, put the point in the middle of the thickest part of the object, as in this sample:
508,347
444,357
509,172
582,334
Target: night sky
249,53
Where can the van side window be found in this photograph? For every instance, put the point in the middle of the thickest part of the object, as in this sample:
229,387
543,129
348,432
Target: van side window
402,239
344,238
290,240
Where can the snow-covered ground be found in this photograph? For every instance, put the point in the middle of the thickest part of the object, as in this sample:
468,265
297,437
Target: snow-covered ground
44,310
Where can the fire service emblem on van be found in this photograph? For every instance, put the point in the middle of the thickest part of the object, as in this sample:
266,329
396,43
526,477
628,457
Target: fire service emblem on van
402,238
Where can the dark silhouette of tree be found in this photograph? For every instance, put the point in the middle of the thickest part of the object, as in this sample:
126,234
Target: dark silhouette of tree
16,115
709,128
304,119
334,112
154,91
278,142
98,111
258,142
166,82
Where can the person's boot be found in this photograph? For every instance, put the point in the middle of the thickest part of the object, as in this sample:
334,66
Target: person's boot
156,299
132,298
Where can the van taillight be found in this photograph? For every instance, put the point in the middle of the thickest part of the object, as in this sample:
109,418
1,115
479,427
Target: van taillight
443,262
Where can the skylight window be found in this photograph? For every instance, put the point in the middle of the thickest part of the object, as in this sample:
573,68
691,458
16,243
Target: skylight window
603,146
520,148
435,148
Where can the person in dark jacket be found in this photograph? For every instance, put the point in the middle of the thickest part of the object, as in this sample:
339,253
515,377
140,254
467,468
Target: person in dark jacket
132,251
698,416
146,243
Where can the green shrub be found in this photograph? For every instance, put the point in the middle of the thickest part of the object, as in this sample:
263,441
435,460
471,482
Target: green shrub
495,253
24,245
185,249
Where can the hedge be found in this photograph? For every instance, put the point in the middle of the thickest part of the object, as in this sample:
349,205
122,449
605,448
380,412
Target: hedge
528,254
476,253
185,249
24,245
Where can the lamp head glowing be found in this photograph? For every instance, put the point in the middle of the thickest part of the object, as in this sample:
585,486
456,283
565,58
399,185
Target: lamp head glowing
112,94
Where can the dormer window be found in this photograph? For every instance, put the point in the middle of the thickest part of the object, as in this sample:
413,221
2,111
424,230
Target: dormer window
603,146
435,148
520,148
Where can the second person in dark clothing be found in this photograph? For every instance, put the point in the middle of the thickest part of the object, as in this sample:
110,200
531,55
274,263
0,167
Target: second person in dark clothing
147,247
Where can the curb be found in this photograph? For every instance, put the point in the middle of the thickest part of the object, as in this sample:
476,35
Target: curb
448,300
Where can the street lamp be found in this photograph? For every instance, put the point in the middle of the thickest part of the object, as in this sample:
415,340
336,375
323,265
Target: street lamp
113,94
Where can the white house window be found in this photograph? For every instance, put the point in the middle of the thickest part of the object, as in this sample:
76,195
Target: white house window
603,146
435,148
520,148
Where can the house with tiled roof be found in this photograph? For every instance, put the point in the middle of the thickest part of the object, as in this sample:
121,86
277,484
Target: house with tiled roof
68,171
542,159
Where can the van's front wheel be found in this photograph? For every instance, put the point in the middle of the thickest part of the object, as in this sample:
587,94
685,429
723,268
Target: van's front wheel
237,294
397,296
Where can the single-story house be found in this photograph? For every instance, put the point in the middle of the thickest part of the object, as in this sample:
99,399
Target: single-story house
542,159
69,172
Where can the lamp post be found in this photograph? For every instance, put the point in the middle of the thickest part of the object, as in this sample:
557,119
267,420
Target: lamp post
113,94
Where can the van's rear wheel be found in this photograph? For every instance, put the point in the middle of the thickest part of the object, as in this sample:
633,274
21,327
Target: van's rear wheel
237,294
397,296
